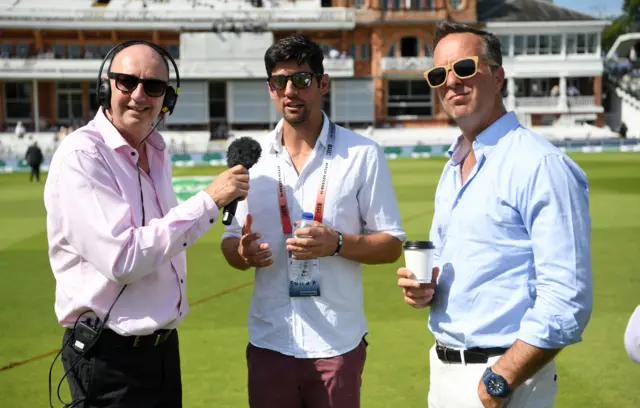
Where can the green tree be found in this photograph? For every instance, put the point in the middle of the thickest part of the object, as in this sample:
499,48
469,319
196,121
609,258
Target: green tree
630,6
618,27
623,24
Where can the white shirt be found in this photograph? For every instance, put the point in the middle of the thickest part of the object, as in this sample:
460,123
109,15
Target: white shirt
632,336
97,242
359,200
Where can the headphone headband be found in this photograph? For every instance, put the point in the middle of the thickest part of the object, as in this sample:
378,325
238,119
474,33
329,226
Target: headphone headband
103,87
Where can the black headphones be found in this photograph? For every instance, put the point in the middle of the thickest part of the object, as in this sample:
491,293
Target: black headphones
103,86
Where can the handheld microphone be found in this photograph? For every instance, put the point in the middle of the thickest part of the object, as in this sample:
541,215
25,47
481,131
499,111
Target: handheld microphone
245,151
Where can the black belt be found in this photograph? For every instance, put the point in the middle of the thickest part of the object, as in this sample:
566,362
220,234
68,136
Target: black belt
110,338
471,356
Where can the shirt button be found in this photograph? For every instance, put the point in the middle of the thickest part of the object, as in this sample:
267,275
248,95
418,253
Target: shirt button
185,244
133,153
210,220
181,280
180,313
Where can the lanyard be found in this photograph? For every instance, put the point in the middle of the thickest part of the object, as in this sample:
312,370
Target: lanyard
285,216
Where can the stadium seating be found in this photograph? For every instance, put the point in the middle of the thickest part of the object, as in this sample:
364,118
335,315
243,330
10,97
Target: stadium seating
624,74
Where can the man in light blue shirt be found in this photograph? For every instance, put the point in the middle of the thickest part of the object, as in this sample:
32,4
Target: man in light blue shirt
512,235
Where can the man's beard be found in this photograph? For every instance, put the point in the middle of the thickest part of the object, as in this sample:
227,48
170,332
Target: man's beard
295,119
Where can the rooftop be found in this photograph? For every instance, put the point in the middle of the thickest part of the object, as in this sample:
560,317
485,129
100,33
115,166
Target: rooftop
527,10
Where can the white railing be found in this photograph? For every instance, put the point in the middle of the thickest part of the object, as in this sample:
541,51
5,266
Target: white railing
537,102
39,68
530,104
339,67
585,101
234,68
49,68
406,63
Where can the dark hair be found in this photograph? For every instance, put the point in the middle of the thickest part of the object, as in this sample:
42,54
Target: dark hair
492,48
297,47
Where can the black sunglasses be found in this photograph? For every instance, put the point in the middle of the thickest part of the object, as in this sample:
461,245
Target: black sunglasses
300,80
128,83
463,68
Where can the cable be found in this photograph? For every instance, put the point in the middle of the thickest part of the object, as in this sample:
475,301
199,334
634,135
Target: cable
138,165
58,355
82,354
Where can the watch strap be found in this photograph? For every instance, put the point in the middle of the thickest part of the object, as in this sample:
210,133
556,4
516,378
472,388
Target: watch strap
339,246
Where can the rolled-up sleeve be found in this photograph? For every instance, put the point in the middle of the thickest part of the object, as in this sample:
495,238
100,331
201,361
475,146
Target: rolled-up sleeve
377,198
555,210
97,222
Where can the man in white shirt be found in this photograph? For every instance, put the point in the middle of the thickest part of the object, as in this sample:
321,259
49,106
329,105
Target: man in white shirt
310,351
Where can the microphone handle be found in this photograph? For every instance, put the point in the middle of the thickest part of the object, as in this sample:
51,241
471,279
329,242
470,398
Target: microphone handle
229,212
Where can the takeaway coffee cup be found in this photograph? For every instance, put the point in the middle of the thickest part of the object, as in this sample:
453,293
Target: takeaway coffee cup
418,257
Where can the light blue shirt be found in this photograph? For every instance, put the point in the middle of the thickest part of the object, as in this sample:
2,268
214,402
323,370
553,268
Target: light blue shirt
512,244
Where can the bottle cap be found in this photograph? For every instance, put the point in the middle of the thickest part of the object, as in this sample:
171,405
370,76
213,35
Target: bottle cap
307,216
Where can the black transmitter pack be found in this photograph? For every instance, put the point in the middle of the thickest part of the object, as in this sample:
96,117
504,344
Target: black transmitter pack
85,336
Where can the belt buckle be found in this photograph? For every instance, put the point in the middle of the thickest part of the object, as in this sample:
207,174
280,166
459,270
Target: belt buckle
444,354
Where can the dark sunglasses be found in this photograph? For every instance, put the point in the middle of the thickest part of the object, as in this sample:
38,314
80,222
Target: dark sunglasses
463,68
300,80
128,83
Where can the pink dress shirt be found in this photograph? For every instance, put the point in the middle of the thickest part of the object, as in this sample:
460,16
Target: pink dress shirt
97,242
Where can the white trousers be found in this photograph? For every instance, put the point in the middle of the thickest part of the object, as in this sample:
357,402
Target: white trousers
455,385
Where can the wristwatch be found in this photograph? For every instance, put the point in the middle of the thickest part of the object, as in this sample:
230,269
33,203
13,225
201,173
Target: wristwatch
339,247
496,385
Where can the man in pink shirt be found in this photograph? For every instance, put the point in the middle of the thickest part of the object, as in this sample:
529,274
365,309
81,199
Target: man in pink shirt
117,238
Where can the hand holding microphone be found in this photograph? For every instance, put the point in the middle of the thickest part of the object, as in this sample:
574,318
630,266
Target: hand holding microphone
233,184
229,186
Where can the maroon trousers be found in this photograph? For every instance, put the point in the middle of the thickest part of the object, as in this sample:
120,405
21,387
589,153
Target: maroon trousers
280,381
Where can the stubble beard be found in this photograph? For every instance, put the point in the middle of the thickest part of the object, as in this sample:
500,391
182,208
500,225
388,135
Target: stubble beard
294,120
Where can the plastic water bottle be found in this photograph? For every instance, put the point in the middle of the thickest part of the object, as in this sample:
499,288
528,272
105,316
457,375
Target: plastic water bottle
306,221
304,266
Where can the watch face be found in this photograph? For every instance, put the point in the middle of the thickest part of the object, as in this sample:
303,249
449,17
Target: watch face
495,386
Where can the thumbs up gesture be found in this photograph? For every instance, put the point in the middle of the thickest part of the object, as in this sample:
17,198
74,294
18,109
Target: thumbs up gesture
254,254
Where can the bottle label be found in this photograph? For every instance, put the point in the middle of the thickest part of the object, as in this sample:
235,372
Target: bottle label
304,277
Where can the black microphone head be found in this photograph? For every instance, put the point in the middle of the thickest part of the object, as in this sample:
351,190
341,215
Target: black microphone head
245,151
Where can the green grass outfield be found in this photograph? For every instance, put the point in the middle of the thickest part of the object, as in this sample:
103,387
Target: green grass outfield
594,373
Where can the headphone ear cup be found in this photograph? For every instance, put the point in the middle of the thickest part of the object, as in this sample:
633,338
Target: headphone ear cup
169,101
104,94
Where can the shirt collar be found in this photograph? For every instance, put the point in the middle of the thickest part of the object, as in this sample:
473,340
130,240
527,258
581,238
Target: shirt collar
486,140
457,151
276,143
114,139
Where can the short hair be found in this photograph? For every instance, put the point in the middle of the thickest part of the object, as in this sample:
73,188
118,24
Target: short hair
297,47
492,47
